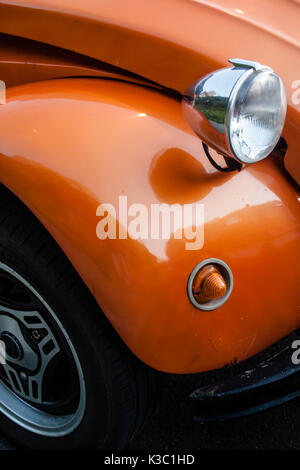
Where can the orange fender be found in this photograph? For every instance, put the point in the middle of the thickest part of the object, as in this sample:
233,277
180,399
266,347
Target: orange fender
67,146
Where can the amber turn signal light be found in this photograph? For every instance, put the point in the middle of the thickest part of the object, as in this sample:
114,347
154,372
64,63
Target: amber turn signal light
208,284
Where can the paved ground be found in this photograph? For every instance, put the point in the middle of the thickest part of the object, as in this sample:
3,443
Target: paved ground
172,428
4,444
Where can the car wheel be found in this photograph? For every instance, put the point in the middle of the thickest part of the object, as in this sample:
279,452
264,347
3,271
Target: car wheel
68,381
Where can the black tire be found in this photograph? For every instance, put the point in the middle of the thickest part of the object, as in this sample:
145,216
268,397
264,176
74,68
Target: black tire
119,388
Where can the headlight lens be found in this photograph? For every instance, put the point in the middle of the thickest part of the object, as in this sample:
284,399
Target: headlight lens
257,110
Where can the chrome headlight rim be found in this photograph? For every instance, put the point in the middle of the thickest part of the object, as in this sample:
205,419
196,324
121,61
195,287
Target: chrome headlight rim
230,110
254,69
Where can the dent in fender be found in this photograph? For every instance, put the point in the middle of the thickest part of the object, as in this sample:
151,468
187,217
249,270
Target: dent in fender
67,146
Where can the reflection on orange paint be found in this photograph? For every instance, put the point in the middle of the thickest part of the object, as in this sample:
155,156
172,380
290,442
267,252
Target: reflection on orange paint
178,177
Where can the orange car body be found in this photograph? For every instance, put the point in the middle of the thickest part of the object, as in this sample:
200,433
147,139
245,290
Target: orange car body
93,112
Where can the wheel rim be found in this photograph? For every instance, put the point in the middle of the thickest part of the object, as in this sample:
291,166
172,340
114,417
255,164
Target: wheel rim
42,386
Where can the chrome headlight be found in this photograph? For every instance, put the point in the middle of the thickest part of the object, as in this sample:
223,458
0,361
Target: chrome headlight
238,111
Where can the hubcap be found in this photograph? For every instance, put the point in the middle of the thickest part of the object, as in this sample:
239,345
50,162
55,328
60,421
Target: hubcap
41,384
29,360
